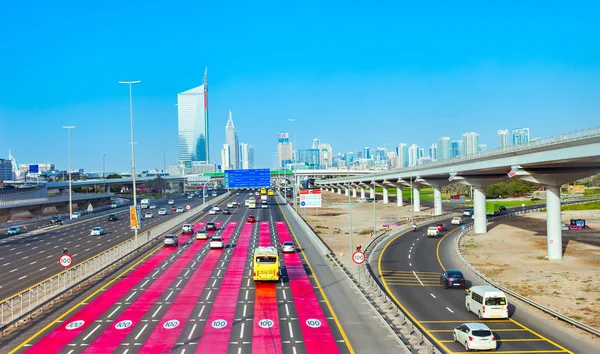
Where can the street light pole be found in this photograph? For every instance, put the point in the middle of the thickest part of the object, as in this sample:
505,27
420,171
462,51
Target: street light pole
104,173
68,128
164,171
349,206
294,165
133,173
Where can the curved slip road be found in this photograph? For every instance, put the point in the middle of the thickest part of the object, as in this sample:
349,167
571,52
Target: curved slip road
193,299
410,265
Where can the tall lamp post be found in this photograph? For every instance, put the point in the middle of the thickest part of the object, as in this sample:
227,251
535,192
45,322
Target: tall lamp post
68,128
164,171
133,173
104,173
294,166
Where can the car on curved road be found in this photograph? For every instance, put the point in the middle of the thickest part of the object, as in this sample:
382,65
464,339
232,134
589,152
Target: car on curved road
179,210
433,231
441,227
212,212
162,211
76,215
457,220
475,336
152,206
56,220
226,211
453,279
97,231
230,205
14,231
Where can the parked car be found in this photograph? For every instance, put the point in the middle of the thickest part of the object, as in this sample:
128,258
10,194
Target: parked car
188,229
162,211
216,242
288,246
171,240
441,227
14,230
113,217
475,336
202,234
433,231
56,220
97,231
211,226
457,220
251,218
453,279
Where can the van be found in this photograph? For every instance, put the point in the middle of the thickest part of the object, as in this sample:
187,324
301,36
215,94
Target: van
361,200
486,302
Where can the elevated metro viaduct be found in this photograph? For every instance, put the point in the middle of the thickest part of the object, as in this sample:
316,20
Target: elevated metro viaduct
551,162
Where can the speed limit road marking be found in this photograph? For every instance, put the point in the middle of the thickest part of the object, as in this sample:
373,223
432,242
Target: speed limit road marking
65,260
358,257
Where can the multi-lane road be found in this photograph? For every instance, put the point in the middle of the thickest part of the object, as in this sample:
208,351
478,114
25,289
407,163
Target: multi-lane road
410,266
30,257
195,299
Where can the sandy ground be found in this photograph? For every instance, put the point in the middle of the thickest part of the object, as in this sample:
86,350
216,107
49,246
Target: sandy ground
513,253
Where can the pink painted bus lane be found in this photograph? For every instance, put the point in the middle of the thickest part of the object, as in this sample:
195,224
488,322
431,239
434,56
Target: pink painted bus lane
266,332
316,333
75,325
165,334
113,335
216,334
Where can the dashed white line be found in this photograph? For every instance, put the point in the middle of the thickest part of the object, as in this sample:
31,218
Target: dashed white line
192,332
115,310
42,269
201,310
13,270
433,296
140,332
208,295
418,278
92,332
168,296
447,308
156,312
291,331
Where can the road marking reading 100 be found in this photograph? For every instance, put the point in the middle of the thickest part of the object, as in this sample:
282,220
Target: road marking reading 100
171,324
75,324
266,323
314,323
218,324
123,324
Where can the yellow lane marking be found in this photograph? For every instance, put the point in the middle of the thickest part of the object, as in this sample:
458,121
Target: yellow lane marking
335,318
491,329
38,333
437,253
464,321
519,351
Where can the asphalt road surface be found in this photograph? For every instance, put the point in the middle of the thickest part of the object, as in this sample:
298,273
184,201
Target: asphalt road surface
29,258
410,266
192,298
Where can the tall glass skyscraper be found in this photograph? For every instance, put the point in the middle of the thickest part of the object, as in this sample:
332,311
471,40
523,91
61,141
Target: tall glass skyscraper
192,109
520,136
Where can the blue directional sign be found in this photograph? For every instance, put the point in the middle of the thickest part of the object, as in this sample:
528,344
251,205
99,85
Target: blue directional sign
247,178
33,168
463,228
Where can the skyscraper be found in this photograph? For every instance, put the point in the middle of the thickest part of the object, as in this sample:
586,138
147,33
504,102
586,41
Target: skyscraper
232,140
443,148
226,157
310,158
402,155
244,163
520,136
326,155
192,112
433,152
367,152
456,148
284,149
482,147
250,156
316,143
413,155
470,144
502,138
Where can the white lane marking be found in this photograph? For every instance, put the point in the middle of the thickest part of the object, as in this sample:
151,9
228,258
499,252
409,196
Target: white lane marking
447,308
140,332
284,297
409,256
433,296
214,282
244,312
208,295
291,331
23,277
156,312
287,310
144,283
42,269
246,297
115,310
168,296
5,264
130,296
293,349
242,331
92,332
13,270
418,278
34,262
179,282
192,332
201,310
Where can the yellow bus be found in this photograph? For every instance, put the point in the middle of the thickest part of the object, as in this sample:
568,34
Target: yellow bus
263,191
266,264
271,192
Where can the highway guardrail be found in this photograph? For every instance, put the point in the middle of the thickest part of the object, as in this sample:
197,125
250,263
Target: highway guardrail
24,304
514,294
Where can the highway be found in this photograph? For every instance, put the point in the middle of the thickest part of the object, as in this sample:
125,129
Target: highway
410,265
194,299
29,258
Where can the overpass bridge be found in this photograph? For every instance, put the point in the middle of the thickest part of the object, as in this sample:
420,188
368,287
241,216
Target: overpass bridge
551,162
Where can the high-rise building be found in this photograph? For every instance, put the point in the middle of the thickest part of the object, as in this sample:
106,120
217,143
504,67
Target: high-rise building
367,152
520,136
192,112
310,158
316,143
231,139
250,156
380,154
470,144
413,155
456,148
482,147
244,156
502,138
443,148
284,149
226,157
433,152
402,152
6,172
392,158
326,155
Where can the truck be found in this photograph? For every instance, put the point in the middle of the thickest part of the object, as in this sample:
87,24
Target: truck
145,203
492,209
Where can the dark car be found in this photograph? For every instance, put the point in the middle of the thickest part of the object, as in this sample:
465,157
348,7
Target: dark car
226,211
113,217
251,218
173,208
441,227
502,208
211,226
56,220
453,279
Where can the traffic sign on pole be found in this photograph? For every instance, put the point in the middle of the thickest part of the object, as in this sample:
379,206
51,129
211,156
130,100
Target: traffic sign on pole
371,233
188,207
65,260
358,257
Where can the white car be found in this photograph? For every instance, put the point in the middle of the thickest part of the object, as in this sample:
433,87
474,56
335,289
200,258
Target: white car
216,208
148,215
179,210
250,193
288,247
97,231
264,206
457,220
171,240
216,242
162,211
113,205
188,229
212,212
433,231
475,336
75,215
247,202
230,205
190,196
152,206
171,202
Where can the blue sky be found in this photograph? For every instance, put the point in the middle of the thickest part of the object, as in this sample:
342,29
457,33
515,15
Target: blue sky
353,74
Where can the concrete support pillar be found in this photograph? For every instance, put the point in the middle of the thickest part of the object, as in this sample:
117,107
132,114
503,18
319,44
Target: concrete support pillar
437,200
339,190
372,192
553,223
4,215
399,197
36,211
180,187
346,191
362,193
479,210
385,195
353,192
417,198
107,188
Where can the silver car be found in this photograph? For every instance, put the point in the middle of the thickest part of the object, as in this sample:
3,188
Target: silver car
97,231
171,240
475,336
14,231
